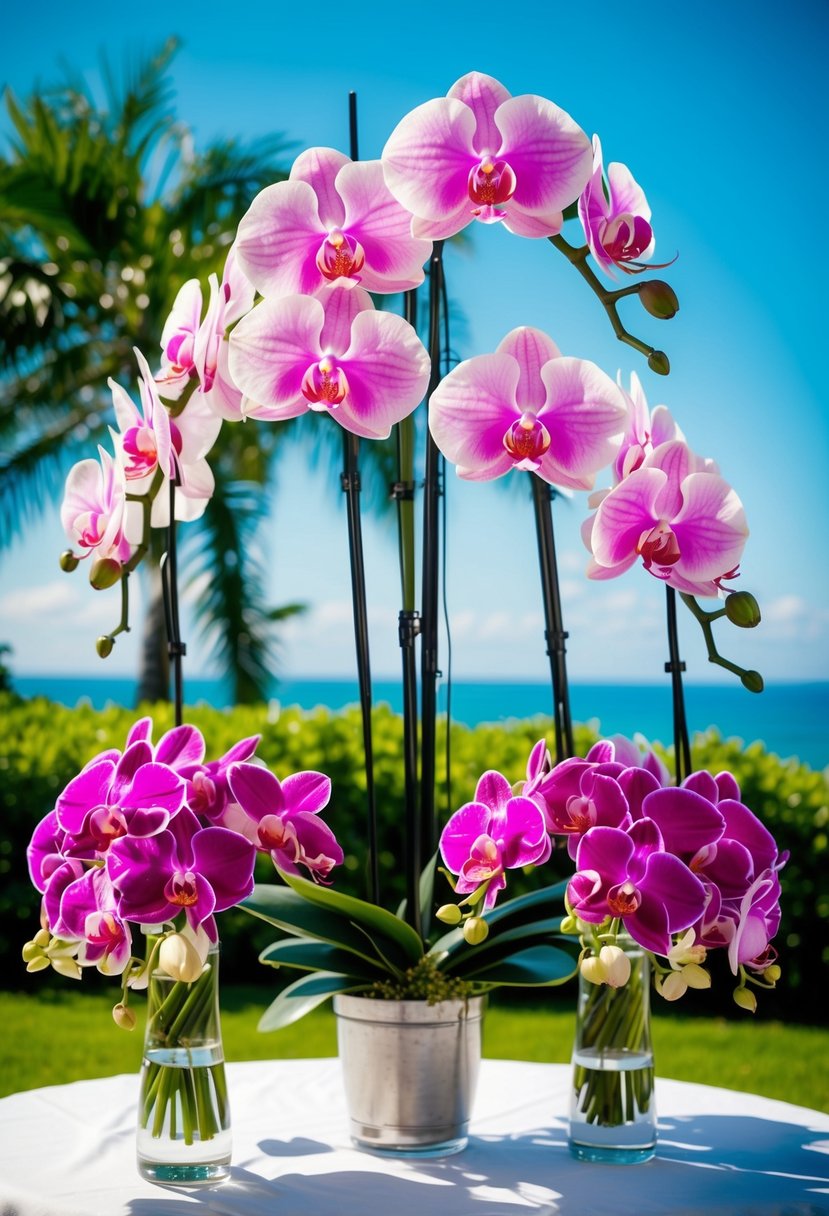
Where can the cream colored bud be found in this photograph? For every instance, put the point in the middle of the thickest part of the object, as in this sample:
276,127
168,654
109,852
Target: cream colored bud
38,964
475,930
42,938
30,951
450,914
696,977
66,966
123,1016
179,958
616,964
673,986
745,999
593,969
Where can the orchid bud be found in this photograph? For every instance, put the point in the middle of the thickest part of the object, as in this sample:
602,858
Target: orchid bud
745,999
696,977
42,938
66,966
68,561
104,645
31,951
673,986
179,958
616,964
123,1016
742,609
593,969
569,924
658,362
38,964
659,299
772,973
105,573
752,680
475,930
450,914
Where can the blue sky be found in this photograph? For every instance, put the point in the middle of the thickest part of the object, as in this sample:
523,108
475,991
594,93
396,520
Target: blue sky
716,111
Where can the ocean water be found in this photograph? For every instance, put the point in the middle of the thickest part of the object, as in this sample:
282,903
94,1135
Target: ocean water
790,719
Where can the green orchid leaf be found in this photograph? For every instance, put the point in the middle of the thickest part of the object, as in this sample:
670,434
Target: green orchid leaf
540,965
287,910
308,955
406,946
305,994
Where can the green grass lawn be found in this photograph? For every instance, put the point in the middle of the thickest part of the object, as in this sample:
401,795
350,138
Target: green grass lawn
62,1035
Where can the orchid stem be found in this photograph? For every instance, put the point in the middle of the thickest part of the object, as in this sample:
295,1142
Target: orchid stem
578,258
553,617
682,748
350,481
429,591
176,649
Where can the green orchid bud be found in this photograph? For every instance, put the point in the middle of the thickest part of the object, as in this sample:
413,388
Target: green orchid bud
67,967
742,609
659,299
31,951
42,938
658,362
745,999
772,973
752,680
450,914
38,964
68,561
475,930
104,645
569,924
105,572
123,1016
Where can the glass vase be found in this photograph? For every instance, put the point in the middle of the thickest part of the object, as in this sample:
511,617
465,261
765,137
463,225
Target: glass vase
612,1111
183,1114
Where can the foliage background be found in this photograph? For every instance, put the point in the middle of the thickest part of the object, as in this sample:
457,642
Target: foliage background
44,745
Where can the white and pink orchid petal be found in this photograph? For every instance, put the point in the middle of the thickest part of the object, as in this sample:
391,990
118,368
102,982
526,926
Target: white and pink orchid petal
663,427
585,416
548,152
208,336
530,224
224,398
428,156
626,512
711,527
319,168
387,368
237,289
155,413
341,305
374,217
470,412
278,239
483,94
185,315
439,230
272,348
677,461
626,195
531,348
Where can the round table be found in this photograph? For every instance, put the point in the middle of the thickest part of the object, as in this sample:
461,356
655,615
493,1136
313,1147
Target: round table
68,1150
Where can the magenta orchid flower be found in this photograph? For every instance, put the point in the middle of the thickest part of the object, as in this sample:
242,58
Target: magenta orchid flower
481,154
628,875
88,912
197,350
616,217
93,511
528,407
578,796
334,220
185,868
686,523
333,353
151,440
208,788
496,832
282,818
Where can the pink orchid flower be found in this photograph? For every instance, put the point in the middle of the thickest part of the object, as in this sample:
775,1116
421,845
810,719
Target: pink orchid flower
333,220
685,522
333,353
646,430
481,154
151,439
93,511
528,407
616,217
196,349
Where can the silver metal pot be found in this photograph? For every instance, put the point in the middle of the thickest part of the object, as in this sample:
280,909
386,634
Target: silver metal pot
410,1071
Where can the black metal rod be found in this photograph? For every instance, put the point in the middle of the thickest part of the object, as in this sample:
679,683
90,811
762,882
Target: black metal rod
350,481
682,746
176,649
409,627
429,588
553,617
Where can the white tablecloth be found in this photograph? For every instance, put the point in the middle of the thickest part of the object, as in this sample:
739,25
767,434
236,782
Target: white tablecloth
69,1151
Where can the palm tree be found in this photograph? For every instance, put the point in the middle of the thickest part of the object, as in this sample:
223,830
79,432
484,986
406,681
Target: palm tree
104,213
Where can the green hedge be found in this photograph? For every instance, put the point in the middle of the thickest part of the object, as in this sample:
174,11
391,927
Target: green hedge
44,745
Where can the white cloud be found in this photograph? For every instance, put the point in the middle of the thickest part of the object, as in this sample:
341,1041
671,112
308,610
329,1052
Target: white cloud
57,596
791,616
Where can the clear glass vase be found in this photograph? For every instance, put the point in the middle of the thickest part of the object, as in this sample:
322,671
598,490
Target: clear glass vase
183,1113
612,1111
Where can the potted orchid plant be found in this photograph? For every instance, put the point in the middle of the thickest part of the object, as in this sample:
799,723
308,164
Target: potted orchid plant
156,836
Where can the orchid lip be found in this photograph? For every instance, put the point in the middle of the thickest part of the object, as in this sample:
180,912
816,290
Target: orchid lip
324,385
527,438
340,256
181,889
624,899
659,546
490,182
